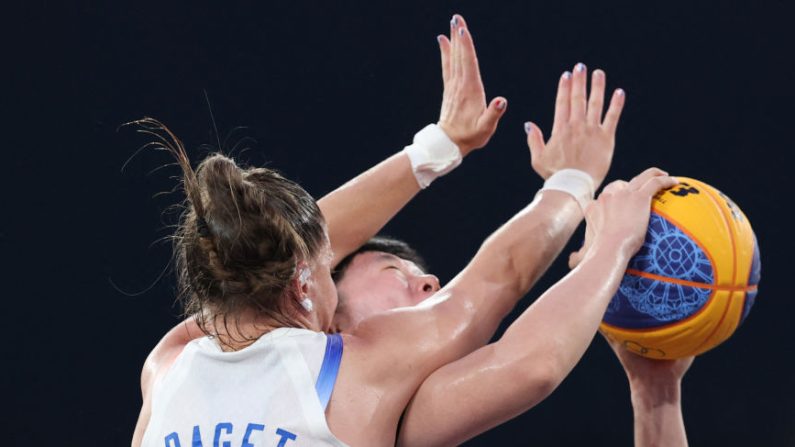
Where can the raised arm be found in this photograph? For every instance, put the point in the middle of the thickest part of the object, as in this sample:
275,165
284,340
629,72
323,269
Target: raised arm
656,390
515,256
504,379
357,210
465,314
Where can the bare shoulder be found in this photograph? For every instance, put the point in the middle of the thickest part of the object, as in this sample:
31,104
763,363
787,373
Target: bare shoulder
368,388
166,351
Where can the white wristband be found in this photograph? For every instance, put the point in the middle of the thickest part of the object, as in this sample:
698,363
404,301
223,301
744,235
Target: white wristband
578,184
433,154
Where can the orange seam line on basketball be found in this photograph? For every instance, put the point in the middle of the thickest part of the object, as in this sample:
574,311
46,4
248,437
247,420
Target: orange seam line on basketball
685,282
665,326
695,240
730,227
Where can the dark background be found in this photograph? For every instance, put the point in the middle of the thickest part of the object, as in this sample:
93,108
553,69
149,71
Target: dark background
325,90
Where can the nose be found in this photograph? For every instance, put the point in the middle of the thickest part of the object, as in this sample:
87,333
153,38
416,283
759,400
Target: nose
428,283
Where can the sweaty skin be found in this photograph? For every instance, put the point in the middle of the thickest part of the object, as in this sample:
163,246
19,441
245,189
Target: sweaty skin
552,218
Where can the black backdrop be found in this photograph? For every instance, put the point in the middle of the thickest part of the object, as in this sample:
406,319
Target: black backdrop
325,90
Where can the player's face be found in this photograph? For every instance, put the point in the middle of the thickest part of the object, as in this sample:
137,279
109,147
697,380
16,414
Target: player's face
376,282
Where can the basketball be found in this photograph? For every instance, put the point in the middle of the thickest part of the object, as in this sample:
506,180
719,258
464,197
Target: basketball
694,280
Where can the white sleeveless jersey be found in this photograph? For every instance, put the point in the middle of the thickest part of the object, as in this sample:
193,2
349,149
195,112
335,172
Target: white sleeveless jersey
273,393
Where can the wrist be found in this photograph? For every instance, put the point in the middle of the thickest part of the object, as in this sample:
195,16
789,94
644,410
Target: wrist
432,154
578,184
654,393
463,147
612,246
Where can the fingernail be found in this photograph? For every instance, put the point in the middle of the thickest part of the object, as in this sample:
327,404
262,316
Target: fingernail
454,22
461,31
566,74
528,128
620,92
580,67
501,104
439,39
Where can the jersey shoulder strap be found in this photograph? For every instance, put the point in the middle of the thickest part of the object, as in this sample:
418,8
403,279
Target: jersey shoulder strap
328,370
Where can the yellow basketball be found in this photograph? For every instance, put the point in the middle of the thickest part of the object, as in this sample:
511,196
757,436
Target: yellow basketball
694,280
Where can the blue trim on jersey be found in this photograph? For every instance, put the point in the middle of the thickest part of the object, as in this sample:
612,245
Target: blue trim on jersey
328,370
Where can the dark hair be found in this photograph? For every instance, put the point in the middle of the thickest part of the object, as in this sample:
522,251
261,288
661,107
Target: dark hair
240,236
385,244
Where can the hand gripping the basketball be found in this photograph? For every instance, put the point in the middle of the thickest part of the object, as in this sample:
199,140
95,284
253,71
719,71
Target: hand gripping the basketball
465,117
621,212
644,373
655,388
580,138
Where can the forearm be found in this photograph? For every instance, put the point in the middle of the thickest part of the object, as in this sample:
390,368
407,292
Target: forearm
658,415
357,210
506,378
512,259
559,326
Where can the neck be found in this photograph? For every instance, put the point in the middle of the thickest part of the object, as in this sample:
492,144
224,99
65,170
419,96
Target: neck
241,330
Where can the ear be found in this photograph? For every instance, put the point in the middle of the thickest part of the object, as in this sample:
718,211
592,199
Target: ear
300,282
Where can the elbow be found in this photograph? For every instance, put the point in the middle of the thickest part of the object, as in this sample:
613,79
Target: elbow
548,378
534,377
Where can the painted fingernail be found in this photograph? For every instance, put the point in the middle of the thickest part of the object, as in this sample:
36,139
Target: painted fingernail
439,39
566,74
461,31
528,128
619,92
454,22
580,67
501,104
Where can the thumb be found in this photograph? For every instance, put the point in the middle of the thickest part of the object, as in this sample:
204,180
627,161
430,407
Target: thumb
535,140
487,121
576,257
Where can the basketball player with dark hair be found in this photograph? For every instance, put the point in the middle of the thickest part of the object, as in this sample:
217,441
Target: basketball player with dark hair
538,350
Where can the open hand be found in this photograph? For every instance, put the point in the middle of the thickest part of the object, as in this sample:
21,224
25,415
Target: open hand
465,117
642,370
580,138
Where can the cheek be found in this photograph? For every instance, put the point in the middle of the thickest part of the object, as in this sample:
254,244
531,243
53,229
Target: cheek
392,292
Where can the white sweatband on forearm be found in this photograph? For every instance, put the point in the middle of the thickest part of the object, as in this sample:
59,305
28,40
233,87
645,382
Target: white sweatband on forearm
433,154
574,182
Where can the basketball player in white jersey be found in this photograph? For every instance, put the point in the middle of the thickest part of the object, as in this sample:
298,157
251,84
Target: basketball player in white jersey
502,276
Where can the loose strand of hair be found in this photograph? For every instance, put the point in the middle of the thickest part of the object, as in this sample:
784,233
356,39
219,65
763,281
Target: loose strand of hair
166,140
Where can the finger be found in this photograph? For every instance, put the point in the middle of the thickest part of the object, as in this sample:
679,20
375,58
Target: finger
487,122
597,99
535,140
455,39
469,57
639,180
562,102
576,257
613,187
578,98
655,184
444,49
614,111
614,344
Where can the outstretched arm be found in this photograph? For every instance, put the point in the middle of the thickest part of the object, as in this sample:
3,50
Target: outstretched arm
504,379
357,210
656,390
515,256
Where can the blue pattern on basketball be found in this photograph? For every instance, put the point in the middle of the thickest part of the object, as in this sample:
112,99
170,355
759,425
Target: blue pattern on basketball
753,279
645,303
